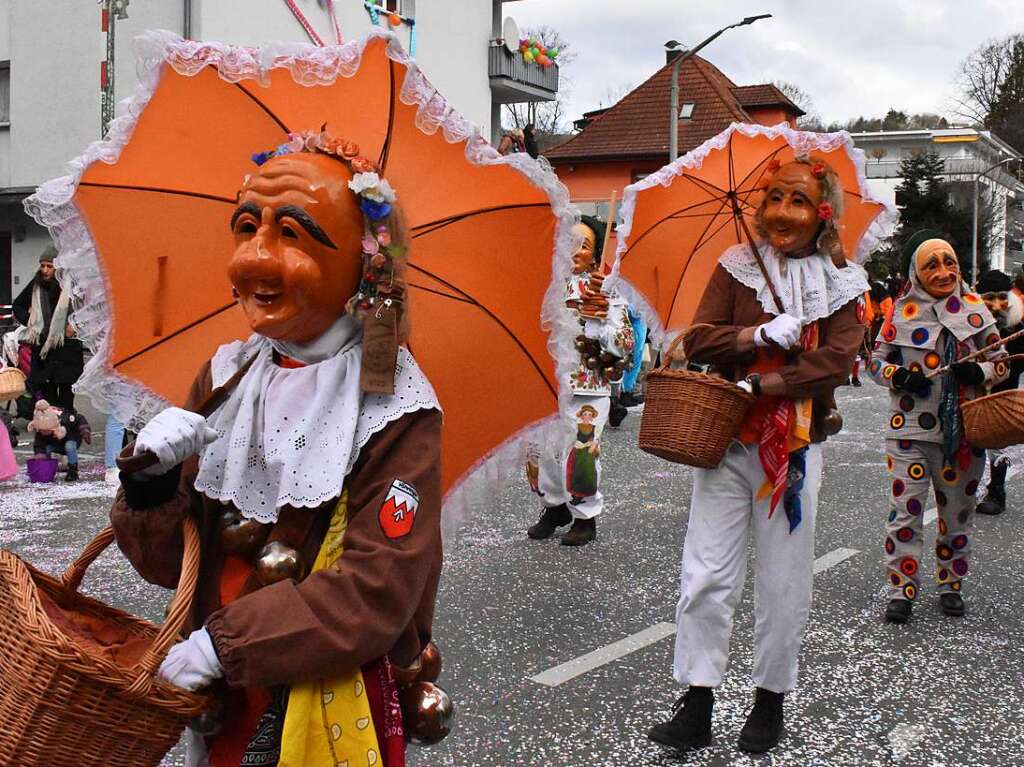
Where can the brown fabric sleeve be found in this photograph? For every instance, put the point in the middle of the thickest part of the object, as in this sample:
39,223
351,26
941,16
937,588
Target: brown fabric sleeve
147,516
818,372
717,345
346,616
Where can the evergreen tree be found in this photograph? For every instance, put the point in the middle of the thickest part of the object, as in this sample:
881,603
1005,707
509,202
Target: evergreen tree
924,199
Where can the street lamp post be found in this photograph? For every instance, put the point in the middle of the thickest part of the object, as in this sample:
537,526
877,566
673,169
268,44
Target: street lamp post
974,230
673,147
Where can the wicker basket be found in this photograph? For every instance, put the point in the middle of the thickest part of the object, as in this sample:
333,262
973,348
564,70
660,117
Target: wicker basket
995,421
12,384
61,703
690,417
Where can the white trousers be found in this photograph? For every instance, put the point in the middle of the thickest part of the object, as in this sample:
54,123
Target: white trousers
572,474
723,512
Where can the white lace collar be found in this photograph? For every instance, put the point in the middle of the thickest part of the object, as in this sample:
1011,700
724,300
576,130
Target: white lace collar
291,436
810,288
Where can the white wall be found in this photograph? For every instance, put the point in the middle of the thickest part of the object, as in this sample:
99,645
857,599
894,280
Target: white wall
451,39
56,46
54,85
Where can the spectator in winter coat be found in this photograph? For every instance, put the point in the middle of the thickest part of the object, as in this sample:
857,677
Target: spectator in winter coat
57,355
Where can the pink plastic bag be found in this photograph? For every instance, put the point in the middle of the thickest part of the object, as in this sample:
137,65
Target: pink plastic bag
8,464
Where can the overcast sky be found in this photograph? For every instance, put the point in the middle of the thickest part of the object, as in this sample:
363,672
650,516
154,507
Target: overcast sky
852,58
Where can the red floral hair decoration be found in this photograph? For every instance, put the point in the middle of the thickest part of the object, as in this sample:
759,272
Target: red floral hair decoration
825,211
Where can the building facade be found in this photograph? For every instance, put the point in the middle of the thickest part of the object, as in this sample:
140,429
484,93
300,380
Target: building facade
965,153
50,76
623,143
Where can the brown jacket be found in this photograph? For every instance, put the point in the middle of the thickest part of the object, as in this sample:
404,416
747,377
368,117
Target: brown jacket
731,307
377,600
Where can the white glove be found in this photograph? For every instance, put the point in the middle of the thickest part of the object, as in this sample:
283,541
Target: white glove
745,385
174,435
193,663
783,330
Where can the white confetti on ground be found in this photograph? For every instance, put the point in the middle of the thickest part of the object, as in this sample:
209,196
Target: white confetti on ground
904,738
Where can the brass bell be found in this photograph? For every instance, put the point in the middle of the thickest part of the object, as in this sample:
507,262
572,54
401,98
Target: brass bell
428,713
430,659
240,536
581,344
278,562
832,423
406,675
592,363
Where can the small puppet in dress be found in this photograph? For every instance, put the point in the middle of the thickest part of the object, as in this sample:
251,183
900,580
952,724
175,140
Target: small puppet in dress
581,472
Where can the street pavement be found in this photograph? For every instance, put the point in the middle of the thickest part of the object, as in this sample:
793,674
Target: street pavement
938,692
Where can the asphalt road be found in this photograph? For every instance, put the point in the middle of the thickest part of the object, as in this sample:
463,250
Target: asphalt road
938,692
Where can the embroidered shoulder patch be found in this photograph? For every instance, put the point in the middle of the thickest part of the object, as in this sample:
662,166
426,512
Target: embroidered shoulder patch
398,511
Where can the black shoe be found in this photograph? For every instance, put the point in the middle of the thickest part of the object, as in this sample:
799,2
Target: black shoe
952,604
617,413
629,399
855,382
582,532
763,729
553,517
690,725
72,474
995,497
898,611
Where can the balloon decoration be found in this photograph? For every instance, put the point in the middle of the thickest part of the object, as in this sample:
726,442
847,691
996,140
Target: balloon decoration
377,9
535,52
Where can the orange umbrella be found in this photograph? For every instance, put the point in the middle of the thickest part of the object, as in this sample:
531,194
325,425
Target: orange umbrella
680,219
146,238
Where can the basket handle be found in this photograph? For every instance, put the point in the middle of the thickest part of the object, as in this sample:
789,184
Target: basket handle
177,613
666,357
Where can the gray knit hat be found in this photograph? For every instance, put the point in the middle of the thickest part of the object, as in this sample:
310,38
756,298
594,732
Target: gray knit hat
48,254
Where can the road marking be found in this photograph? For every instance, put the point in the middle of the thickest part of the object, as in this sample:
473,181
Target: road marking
578,666
833,558
581,665
571,669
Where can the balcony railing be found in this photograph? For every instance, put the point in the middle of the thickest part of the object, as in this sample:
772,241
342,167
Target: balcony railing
514,80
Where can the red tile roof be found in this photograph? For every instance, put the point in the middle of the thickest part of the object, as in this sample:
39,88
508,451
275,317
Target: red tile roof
765,96
638,125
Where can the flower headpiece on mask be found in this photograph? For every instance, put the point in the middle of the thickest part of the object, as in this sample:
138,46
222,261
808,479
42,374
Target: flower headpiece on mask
382,256
378,301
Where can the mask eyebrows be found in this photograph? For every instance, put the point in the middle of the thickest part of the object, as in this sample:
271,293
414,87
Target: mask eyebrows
306,222
246,207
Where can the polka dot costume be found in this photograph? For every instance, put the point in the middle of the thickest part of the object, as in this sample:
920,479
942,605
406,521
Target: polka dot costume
924,334
916,467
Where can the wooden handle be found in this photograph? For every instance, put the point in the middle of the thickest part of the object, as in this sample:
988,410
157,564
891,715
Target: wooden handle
980,352
609,225
130,463
738,214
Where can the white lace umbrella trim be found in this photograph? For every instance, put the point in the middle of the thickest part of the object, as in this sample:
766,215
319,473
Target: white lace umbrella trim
802,142
285,433
79,269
